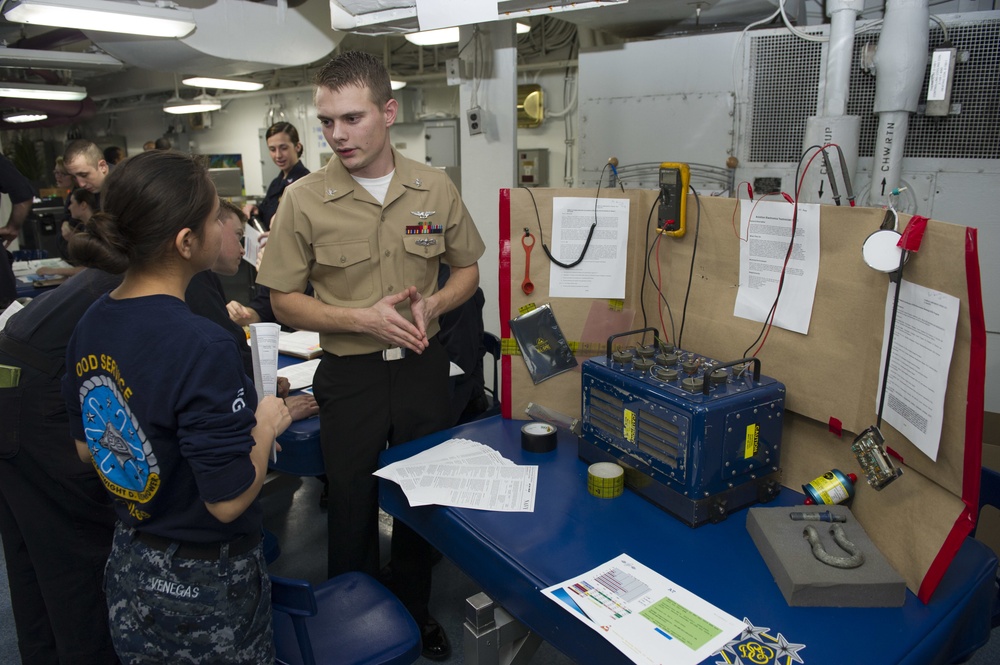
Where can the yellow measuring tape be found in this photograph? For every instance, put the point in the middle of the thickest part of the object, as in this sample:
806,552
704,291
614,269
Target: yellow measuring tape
605,480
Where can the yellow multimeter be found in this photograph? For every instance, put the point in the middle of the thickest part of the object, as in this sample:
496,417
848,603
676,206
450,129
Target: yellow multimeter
674,180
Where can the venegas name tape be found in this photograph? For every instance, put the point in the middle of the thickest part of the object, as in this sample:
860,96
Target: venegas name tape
605,480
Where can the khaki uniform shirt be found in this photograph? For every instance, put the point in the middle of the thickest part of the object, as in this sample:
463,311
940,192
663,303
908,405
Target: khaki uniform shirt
330,231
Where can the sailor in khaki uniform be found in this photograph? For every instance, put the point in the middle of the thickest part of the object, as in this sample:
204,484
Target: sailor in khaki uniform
368,232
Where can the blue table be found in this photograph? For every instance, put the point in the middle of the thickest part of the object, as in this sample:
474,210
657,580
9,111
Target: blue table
29,290
300,454
511,556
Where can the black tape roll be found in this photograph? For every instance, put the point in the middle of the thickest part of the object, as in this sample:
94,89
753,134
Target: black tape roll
538,437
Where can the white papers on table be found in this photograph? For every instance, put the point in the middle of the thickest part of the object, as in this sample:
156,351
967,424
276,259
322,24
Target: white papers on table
26,271
765,229
922,345
251,244
300,375
11,310
602,272
301,343
464,474
646,616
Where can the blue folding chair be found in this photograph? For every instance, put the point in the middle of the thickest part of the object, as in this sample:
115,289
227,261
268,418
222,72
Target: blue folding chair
989,495
348,620
272,549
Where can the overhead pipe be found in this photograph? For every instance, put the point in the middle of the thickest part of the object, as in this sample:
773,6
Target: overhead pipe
900,63
833,125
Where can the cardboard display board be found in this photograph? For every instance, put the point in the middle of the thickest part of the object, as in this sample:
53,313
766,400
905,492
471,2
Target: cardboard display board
831,374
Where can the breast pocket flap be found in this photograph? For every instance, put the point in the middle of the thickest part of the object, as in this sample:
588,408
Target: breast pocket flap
343,254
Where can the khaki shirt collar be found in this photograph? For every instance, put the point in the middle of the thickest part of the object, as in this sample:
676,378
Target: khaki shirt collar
338,183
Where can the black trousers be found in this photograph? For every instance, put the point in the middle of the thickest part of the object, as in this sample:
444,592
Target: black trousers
365,403
57,523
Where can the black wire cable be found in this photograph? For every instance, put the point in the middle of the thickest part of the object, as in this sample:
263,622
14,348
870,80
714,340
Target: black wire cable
590,235
648,251
694,253
897,277
791,246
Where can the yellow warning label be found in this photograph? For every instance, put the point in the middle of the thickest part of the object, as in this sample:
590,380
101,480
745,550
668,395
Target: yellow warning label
752,441
629,432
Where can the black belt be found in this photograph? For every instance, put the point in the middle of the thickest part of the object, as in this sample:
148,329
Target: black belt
206,551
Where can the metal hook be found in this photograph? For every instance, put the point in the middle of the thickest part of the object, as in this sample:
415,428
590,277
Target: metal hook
855,559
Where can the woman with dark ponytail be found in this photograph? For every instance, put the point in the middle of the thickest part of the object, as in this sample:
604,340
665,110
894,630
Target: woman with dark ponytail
159,403
286,151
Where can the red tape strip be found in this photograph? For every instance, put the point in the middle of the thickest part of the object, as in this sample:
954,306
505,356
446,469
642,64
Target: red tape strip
913,234
972,466
505,369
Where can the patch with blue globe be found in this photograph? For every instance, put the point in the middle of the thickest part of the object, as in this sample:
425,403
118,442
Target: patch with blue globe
122,455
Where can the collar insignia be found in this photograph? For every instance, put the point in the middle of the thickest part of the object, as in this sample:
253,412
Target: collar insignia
416,182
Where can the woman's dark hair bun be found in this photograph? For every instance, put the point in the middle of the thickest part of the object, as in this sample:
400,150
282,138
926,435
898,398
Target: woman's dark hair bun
100,245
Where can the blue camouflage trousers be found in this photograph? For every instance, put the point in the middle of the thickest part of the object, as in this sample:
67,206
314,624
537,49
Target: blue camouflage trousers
166,609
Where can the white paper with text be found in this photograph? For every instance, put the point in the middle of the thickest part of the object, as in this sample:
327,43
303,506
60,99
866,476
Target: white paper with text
765,230
601,274
922,345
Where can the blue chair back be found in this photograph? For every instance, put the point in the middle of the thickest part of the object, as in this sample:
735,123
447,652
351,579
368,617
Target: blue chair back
989,495
350,619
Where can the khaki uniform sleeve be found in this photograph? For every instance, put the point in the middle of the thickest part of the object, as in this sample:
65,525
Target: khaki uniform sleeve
464,244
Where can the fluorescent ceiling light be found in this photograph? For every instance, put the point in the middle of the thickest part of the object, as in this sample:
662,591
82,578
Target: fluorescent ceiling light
200,104
447,35
23,116
433,37
105,16
27,58
222,84
397,85
59,93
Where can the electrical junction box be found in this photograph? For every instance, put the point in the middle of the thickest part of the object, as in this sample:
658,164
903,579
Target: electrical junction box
533,167
697,437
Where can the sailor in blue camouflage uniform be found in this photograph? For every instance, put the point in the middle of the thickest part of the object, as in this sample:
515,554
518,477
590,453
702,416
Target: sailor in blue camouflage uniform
160,404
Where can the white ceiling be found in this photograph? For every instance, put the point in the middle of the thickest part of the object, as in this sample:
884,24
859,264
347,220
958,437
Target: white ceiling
276,44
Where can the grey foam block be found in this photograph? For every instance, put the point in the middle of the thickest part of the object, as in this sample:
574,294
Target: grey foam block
805,581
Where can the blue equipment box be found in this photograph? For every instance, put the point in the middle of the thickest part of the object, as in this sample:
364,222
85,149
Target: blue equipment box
697,437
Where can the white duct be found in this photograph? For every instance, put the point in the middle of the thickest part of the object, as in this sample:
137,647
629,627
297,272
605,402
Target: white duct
843,16
229,41
900,63
833,126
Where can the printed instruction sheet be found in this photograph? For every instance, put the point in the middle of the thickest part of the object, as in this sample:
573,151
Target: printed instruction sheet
601,274
646,616
765,232
922,345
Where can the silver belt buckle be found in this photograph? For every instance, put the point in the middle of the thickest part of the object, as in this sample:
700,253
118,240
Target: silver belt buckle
394,354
